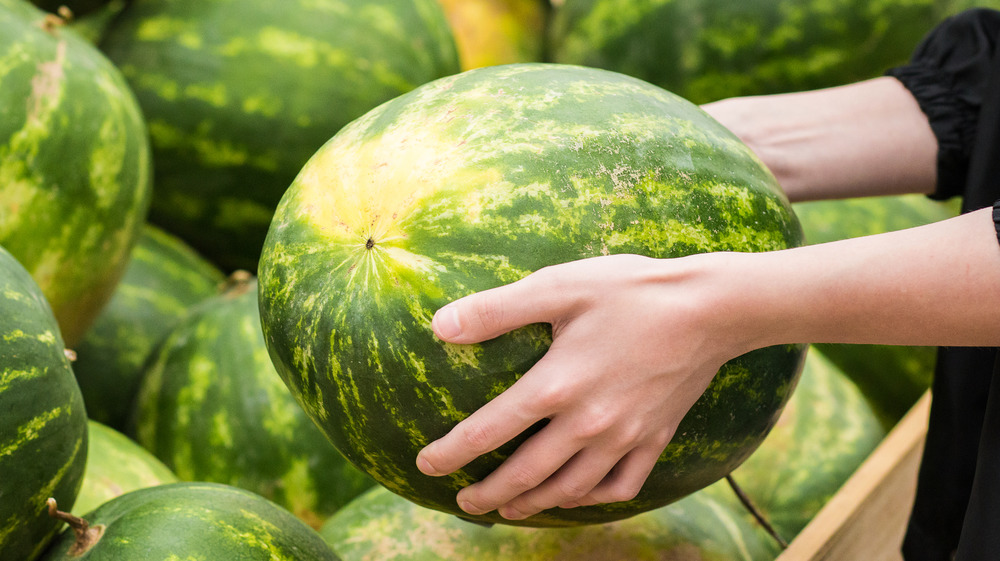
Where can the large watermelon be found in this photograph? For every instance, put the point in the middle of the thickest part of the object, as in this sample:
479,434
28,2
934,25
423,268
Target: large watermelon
212,408
892,377
192,521
43,425
709,525
474,181
238,95
824,433
492,32
74,164
163,280
710,49
116,464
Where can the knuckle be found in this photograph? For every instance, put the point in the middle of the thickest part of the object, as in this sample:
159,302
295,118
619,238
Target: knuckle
551,397
478,437
490,311
523,478
573,488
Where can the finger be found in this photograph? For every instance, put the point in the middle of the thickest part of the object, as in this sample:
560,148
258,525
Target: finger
624,481
490,313
576,479
534,461
498,421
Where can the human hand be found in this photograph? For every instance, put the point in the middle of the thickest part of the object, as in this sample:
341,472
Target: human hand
635,343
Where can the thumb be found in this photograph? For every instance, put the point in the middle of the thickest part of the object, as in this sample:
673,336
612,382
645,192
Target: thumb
490,313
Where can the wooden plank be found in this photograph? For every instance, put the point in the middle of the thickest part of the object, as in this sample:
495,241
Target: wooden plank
866,519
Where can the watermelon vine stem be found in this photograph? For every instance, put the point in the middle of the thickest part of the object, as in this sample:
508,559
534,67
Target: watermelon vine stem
86,535
757,514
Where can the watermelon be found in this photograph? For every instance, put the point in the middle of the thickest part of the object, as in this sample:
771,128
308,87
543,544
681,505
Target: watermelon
824,433
238,95
191,521
74,163
492,32
116,464
212,408
163,280
706,50
43,424
891,377
709,525
474,181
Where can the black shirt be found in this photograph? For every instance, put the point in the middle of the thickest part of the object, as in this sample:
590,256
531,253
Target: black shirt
955,76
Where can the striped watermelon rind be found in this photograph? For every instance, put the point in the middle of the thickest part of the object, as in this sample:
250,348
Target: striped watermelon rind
474,181
164,279
74,162
212,408
116,464
43,423
706,50
238,95
709,525
194,521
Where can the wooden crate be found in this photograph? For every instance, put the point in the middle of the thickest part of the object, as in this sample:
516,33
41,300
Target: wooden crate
866,519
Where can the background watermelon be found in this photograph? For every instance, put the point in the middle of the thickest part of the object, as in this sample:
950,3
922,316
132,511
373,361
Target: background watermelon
238,95
43,424
706,50
116,465
212,408
74,163
194,521
163,280
709,525
476,180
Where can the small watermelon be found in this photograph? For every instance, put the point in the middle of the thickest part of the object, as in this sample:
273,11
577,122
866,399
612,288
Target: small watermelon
474,181
74,162
43,424
709,525
189,521
163,280
238,95
212,408
116,464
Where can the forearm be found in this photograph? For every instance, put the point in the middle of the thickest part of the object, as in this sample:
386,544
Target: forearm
864,139
934,285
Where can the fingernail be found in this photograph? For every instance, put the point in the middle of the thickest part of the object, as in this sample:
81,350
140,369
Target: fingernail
511,513
470,508
446,322
425,467
572,504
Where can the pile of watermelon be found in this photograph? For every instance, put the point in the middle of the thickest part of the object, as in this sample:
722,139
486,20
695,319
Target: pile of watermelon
225,226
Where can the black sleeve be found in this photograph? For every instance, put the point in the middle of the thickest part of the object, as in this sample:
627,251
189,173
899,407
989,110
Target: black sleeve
948,75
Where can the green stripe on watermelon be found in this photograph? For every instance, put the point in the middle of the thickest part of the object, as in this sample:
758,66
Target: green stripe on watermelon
239,94
824,433
709,525
710,49
474,181
74,165
193,521
212,408
43,424
892,378
163,280
116,465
